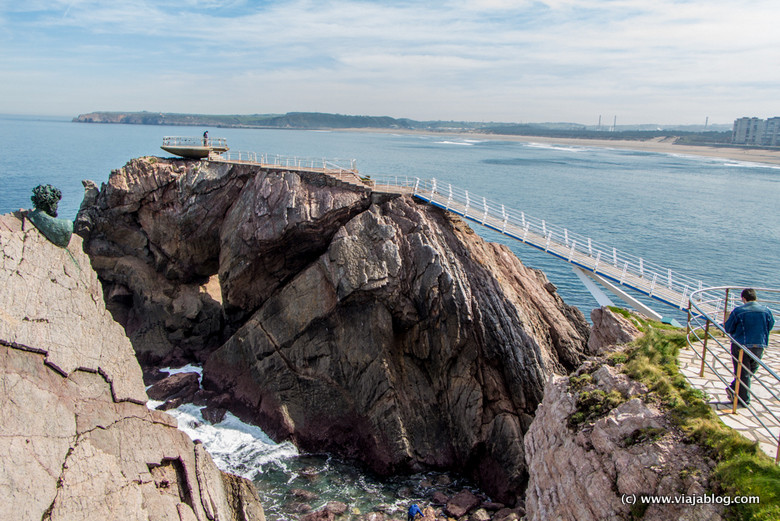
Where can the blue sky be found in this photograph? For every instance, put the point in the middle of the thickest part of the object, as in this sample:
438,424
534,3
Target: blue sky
644,61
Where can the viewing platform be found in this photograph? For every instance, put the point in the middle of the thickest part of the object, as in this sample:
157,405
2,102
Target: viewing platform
194,147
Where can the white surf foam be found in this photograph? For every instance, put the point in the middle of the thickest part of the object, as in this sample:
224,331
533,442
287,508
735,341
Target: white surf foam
235,446
548,146
462,143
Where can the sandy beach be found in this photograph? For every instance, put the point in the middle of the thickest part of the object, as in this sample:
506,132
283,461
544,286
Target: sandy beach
660,145
664,146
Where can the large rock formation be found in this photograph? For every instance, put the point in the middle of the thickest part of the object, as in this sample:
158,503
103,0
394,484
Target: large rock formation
78,441
366,324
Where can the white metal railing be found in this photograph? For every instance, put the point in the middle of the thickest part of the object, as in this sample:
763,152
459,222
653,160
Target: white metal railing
298,163
190,141
706,332
651,279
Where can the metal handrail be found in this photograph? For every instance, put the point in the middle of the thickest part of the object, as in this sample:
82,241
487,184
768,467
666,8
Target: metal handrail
704,328
658,282
189,141
299,163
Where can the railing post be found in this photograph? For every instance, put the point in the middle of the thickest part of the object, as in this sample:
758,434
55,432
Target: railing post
571,251
484,215
506,218
566,236
614,257
704,348
468,202
670,278
598,258
688,323
416,184
777,455
449,197
590,248
544,228
737,381
726,306
641,268
547,245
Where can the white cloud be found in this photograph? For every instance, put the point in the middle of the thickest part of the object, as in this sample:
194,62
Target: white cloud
650,59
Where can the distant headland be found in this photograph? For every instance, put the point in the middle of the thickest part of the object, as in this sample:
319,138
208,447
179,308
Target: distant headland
682,134
695,140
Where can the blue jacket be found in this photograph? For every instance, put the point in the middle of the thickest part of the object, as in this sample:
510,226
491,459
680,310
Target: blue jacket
750,324
414,510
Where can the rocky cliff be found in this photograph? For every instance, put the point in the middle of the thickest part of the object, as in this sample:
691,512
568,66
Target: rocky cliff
77,440
599,444
349,321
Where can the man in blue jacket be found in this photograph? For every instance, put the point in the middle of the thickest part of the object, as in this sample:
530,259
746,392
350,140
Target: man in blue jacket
749,326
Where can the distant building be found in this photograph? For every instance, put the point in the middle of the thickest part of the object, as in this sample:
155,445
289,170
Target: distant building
756,131
772,132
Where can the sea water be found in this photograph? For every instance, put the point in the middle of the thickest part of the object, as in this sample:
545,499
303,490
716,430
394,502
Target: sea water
707,218
277,469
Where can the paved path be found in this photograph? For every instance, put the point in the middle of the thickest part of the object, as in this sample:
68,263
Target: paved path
746,421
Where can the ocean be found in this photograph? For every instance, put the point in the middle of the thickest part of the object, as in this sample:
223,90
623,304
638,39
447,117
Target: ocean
711,219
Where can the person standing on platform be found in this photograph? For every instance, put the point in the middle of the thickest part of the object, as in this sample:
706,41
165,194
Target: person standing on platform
206,138
749,326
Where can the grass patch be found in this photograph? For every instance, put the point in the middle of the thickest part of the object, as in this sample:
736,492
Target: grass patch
578,383
617,359
742,468
594,404
643,324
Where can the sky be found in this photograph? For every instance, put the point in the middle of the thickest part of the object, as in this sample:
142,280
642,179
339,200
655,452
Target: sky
639,61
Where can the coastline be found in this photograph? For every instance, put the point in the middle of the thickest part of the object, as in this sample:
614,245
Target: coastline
659,145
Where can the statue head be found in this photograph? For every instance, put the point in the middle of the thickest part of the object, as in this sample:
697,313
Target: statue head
46,198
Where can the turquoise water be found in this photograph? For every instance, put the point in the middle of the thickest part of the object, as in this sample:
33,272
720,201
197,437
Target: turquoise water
712,219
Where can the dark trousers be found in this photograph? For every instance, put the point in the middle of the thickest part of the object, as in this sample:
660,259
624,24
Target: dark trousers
749,367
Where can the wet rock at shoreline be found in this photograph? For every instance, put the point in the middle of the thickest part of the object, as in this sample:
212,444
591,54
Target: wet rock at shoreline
179,385
461,504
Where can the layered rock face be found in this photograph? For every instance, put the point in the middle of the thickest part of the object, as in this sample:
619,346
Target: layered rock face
365,324
599,470
78,441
